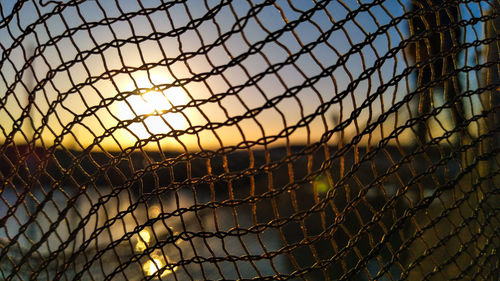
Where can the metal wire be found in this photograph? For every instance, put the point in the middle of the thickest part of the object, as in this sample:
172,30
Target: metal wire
269,140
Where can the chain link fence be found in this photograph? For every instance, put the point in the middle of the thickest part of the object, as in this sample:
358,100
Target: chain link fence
269,140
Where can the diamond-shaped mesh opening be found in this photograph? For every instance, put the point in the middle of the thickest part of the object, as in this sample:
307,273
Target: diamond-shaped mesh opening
273,140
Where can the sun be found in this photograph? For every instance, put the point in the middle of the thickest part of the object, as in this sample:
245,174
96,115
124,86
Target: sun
152,105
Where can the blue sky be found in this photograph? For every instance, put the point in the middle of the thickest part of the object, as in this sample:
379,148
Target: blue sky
94,51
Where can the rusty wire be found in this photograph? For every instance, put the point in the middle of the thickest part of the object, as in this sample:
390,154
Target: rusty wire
372,156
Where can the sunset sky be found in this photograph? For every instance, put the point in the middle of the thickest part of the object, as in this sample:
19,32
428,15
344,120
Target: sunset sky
90,79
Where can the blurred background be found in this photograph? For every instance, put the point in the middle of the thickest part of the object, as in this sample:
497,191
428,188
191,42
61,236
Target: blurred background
188,140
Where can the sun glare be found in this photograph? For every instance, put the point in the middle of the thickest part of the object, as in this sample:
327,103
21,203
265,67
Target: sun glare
155,264
143,241
157,261
152,105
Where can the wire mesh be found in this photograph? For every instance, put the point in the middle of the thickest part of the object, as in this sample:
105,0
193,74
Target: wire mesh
269,140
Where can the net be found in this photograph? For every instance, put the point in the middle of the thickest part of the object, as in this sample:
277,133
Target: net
269,140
